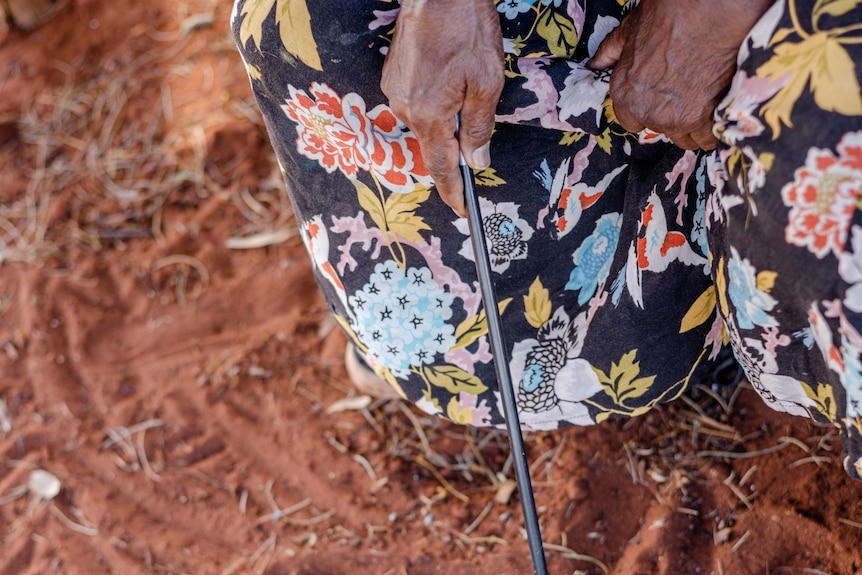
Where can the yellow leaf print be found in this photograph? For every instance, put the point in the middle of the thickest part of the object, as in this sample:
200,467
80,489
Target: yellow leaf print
834,81
518,44
733,160
818,60
458,413
823,399
559,32
604,140
622,382
475,326
371,204
294,26
834,7
700,311
537,304
570,138
400,215
253,73
454,379
487,177
721,288
766,280
608,109
253,13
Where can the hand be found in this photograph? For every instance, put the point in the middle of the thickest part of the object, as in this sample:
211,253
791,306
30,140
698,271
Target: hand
447,57
673,61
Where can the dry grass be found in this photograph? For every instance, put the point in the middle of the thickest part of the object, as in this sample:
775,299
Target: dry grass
104,156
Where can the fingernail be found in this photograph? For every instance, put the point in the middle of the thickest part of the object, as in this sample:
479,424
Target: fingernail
482,157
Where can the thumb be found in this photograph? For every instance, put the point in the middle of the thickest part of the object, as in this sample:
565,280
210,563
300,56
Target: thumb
609,50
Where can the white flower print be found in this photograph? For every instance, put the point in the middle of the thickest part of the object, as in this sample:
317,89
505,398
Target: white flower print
551,380
585,90
506,232
852,378
761,33
751,303
737,113
428,406
850,270
788,394
604,26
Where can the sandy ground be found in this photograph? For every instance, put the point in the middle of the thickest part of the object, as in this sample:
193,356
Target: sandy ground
165,355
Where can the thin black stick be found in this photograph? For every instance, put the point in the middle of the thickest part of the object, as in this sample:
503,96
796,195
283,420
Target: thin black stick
504,378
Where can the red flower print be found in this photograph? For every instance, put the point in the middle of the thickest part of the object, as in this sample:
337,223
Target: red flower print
823,196
341,135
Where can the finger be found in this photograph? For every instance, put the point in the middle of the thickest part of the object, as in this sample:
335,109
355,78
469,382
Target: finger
477,123
630,108
451,190
684,141
627,120
609,50
703,136
440,151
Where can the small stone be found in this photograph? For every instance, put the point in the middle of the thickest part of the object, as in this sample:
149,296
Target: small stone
722,536
43,484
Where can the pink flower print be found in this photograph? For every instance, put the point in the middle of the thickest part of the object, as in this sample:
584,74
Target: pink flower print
342,135
823,196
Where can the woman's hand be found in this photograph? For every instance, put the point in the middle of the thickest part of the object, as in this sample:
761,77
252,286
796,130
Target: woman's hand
673,61
447,57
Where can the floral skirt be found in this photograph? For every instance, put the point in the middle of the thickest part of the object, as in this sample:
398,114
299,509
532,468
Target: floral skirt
623,264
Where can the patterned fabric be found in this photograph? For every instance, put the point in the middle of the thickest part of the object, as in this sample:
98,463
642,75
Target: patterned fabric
623,264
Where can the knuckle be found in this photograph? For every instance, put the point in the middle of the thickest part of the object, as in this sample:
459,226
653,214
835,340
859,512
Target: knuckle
439,164
491,82
443,178
478,132
437,159
422,116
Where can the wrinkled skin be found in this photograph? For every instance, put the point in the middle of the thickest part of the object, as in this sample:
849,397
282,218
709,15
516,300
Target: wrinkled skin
673,60
447,58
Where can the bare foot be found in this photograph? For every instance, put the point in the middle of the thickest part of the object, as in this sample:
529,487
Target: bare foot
364,379
28,14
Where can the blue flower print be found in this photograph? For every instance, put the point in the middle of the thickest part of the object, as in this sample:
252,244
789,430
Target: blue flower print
532,377
698,227
750,303
401,317
511,8
593,258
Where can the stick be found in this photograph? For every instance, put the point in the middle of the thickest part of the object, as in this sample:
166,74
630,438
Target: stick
501,365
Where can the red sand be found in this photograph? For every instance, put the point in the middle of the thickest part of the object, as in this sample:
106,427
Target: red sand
230,379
